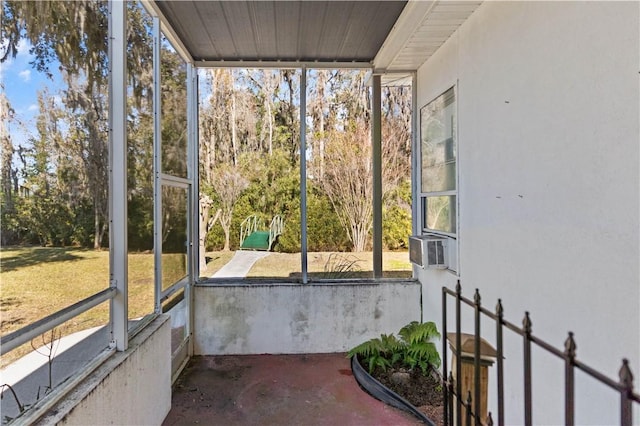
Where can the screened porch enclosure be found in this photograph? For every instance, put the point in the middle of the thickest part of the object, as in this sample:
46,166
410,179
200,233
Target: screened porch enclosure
123,144
177,302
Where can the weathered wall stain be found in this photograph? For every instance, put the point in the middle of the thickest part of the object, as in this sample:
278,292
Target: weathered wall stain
234,329
294,318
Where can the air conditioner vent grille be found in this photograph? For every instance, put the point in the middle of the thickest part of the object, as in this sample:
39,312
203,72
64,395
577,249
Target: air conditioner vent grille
429,251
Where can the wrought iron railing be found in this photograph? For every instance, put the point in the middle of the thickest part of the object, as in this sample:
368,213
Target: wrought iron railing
470,404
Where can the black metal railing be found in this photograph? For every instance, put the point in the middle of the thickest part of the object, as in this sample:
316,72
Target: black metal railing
469,405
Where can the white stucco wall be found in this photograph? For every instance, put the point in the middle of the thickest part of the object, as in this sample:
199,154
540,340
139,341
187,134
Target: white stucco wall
549,186
131,388
295,318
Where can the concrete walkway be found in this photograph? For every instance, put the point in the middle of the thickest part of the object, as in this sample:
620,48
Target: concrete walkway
240,264
29,375
278,390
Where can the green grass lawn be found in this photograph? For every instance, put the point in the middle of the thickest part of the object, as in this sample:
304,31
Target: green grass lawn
38,281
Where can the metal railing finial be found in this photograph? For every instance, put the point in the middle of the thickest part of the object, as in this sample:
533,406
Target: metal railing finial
470,413
570,346
526,323
569,379
623,386
625,375
626,394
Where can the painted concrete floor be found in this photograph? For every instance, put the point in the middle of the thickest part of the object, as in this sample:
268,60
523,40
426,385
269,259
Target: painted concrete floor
316,389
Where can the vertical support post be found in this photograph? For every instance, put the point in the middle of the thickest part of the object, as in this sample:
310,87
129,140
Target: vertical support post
476,359
499,323
458,353
192,174
118,173
415,158
303,174
626,389
376,140
157,167
527,369
194,204
569,382
445,389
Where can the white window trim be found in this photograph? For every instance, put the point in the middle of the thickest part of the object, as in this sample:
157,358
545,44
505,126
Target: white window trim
454,252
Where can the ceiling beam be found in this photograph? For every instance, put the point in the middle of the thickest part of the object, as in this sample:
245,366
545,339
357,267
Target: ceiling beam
283,64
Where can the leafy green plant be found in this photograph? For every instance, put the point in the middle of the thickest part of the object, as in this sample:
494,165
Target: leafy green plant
419,349
414,349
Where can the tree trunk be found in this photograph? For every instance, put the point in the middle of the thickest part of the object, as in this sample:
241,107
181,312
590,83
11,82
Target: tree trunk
226,229
321,144
7,154
226,217
234,131
270,118
96,228
206,223
202,234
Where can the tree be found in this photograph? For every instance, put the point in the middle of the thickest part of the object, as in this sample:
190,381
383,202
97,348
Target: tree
348,181
173,77
88,140
264,84
44,213
319,112
396,166
75,35
206,224
228,185
344,168
287,117
7,175
223,128
72,36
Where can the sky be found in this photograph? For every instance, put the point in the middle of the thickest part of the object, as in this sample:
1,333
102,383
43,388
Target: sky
21,84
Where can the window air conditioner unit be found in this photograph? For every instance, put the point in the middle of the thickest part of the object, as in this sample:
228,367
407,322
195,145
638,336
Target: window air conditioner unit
428,251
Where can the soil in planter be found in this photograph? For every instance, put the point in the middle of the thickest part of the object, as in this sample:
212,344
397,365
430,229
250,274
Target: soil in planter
423,391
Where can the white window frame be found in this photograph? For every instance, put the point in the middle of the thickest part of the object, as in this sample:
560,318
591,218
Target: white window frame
452,237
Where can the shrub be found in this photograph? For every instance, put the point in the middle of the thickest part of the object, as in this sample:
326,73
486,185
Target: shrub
414,348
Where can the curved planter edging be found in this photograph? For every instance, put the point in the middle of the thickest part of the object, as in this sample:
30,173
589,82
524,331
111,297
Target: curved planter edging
383,393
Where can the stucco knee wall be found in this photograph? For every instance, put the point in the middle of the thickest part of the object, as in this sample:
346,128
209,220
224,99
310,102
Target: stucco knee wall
132,387
295,318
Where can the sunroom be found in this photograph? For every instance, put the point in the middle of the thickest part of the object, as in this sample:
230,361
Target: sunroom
432,48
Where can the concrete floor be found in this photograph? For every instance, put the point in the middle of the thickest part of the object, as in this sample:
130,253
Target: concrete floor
316,389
